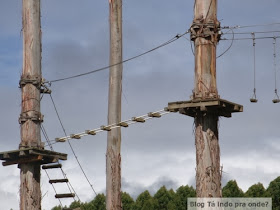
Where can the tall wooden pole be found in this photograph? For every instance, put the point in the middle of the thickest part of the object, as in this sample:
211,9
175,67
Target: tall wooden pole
113,154
30,118
205,34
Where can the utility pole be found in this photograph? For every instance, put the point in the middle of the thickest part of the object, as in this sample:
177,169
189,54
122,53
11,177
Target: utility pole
205,34
113,154
205,104
30,117
31,153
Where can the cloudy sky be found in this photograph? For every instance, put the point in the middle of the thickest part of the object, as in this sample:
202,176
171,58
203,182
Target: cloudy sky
161,151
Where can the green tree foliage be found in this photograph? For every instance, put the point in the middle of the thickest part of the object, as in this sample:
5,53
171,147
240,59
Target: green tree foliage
231,189
169,200
256,190
144,201
98,203
149,204
273,191
162,198
56,208
127,201
75,204
182,195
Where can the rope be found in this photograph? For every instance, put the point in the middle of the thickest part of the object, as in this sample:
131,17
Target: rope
254,47
125,123
72,149
124,61
69,185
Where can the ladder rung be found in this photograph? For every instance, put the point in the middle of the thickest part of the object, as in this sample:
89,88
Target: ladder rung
67,195
51,166
57,181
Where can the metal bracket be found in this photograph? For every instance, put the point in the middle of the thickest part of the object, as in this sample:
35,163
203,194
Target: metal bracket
34,116
210,30
34,80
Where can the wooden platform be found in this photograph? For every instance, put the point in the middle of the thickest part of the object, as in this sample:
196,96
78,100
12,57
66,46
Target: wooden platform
220,107
28,155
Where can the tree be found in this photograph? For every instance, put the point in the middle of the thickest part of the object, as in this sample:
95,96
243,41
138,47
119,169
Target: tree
182,195
127,201
98,203
143,200
273,191
56,208
232,190
162,198
148,204
256,190
75,204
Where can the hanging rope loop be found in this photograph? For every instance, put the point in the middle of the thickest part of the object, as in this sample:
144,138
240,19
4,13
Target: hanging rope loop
254,97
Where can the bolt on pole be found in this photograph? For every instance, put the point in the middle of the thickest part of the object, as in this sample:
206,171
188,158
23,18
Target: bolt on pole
113,154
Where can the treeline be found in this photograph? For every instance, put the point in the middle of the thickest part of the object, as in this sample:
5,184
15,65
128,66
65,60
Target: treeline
165,199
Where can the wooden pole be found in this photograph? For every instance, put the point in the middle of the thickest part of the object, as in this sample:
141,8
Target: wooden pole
113,154
205,34
30,118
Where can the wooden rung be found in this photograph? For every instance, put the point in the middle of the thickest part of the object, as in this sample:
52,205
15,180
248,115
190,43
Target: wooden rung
58,181
138,119
75,136
123,124
156,114
67,195
89,132
105,128
51,166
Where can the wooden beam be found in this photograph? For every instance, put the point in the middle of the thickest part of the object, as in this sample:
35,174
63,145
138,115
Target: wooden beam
52,181
51,166
24,160
66,195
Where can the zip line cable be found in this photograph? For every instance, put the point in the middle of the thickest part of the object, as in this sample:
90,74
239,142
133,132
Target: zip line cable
54,105
249,26
178,36
232,40
256,32
247,38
